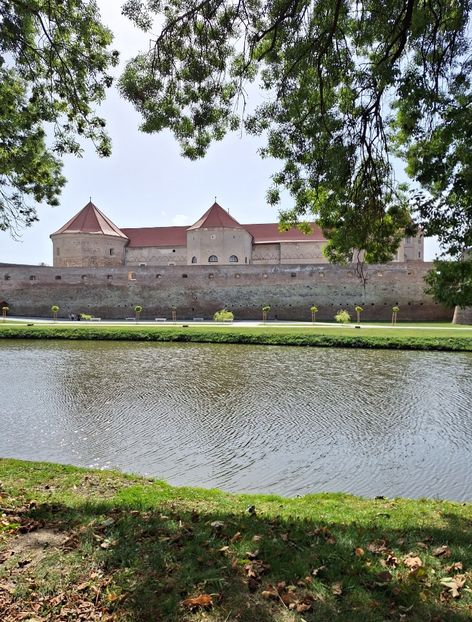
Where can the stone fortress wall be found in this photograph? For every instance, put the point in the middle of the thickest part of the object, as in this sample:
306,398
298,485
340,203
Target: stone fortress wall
198,291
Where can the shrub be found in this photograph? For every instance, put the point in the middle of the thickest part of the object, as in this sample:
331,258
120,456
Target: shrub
342,317
85,316
223,315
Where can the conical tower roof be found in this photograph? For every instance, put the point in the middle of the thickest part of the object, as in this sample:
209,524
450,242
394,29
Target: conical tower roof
216,216
91,220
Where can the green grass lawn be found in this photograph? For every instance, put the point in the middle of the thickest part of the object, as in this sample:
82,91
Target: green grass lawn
430,338
77,544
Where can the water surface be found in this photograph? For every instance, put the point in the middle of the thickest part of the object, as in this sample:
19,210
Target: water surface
245,418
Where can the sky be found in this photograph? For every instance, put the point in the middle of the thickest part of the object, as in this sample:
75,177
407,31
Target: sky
146,182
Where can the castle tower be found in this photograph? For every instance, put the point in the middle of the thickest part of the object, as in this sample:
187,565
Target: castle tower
218,238
89,239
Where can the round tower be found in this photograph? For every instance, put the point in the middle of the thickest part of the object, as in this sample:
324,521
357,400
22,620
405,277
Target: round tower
88,240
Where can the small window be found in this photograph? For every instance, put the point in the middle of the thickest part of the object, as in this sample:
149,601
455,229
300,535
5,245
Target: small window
32,278
212,236
158,276
184,276
142,265
58,251
194,259
233,259
419,255
212,259
293,275
112,251
7,277
131,276
110,277
58,277
211,276
173,250
84,278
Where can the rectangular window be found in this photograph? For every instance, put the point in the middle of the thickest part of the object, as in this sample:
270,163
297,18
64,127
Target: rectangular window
131,276
112,251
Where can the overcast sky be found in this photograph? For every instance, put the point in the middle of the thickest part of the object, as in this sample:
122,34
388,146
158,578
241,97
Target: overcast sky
146,182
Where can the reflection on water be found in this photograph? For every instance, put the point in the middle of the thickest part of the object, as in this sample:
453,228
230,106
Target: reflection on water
245,418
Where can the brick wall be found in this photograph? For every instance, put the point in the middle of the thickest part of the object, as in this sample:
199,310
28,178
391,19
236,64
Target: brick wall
198,291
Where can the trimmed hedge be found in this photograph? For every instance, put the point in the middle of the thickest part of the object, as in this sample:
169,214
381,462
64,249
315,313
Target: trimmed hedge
243,336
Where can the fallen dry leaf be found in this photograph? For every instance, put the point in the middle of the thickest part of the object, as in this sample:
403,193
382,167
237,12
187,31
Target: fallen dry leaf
412,562
203,601
217,525
390,561
379,546
288,598
237,536
252,555
358,551
442,551
302,607
454,584
270,594
381,578
454,566
337,588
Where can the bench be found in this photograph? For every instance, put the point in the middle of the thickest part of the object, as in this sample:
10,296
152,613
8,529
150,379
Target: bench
160,319
130,319
95,319
198,319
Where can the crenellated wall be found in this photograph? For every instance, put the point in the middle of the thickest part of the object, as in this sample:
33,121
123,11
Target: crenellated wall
198,291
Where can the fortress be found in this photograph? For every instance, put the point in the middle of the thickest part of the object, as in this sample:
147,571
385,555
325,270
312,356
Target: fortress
104,270
90,239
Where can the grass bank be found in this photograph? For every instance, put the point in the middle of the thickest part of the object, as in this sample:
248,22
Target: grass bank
77,544
451,339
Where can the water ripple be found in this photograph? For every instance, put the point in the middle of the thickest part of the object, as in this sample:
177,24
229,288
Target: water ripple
272,419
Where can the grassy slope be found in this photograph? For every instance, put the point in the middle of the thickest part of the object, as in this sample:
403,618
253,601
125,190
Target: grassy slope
401,338
128,548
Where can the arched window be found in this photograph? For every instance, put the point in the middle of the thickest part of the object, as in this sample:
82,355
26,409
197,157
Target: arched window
233,259
212,259
194,259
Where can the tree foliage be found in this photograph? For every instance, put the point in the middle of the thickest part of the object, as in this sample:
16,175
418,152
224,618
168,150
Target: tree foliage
450,283
54,62
345,85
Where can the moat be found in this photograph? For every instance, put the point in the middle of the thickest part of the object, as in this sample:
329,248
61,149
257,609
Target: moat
262,419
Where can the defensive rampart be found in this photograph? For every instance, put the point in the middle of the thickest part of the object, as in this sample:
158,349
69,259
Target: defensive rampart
198,291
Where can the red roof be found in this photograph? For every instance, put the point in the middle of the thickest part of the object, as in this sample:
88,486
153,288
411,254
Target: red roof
215,217
269,232
156,236
91,220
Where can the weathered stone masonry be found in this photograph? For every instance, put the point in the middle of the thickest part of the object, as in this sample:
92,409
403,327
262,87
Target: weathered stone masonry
198,291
